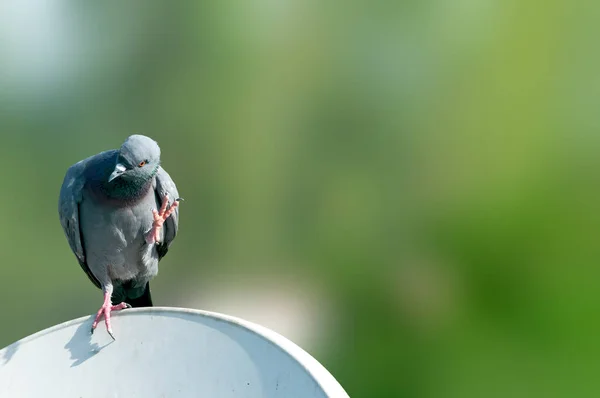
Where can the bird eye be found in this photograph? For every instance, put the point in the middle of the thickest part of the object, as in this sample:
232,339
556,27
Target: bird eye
142,163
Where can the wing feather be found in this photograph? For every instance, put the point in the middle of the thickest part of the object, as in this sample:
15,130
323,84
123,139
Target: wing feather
71,195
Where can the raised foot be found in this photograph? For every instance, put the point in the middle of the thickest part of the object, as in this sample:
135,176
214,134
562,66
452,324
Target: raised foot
159,219
105,310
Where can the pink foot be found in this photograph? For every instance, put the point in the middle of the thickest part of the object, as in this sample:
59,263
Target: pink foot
159,219
105,310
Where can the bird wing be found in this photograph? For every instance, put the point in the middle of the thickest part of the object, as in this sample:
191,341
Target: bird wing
163,186
68,209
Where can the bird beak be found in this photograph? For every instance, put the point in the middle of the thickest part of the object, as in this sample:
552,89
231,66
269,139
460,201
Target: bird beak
119,170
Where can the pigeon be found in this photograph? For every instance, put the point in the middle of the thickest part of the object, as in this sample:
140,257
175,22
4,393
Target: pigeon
116,211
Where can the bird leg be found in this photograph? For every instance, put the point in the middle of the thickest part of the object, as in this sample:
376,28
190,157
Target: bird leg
105,310
160,217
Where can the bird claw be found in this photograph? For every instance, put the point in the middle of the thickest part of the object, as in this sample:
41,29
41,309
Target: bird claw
166,209
160,217
105,311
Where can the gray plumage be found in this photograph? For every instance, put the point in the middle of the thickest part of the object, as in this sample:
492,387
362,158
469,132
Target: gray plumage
106,218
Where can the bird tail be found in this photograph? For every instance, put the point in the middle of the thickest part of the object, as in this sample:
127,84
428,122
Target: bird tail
145,300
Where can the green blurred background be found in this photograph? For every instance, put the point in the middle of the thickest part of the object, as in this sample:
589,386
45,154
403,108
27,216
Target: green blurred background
409,190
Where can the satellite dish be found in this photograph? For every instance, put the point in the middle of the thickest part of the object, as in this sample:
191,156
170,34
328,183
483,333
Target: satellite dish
162,352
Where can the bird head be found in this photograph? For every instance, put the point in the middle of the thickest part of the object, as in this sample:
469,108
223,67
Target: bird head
139,158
